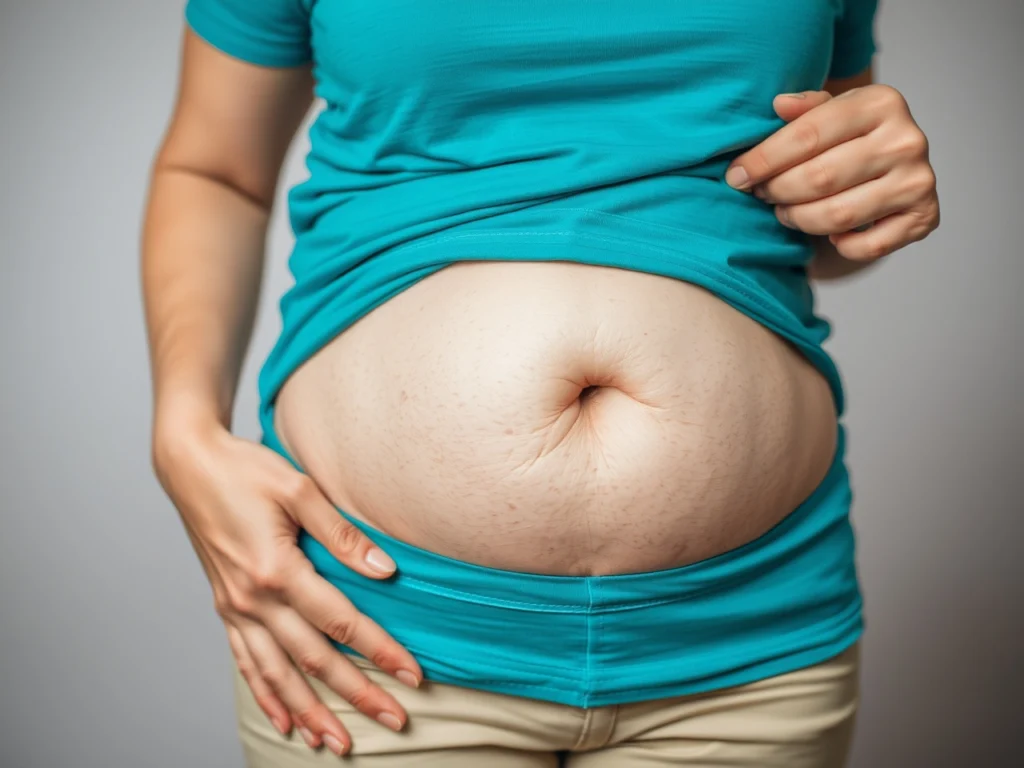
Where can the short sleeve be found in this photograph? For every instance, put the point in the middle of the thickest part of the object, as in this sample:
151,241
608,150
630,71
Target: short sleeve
271,33
854,38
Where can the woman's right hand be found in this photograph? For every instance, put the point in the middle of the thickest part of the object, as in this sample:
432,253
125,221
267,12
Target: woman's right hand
243,506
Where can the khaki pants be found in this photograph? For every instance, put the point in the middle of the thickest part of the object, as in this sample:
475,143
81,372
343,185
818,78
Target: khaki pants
801,719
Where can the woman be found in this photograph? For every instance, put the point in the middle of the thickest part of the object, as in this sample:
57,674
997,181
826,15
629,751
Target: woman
552,462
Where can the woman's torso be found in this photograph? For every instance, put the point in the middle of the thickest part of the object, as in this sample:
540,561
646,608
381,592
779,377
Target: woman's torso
454,417
449,416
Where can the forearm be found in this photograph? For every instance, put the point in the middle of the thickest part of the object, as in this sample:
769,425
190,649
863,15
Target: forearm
829,264
202,264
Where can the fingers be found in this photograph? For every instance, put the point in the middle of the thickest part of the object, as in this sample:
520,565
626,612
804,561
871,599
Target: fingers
839,168
855,207
271,705
279,648
327,609
311,717
821,128
307,505
315,657
887,235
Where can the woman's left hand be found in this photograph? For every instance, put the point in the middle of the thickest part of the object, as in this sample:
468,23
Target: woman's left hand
854,167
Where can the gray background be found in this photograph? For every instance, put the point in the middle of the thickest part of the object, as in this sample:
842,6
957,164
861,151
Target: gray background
110,652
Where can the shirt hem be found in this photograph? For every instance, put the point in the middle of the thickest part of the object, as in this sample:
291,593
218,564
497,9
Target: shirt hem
419,259
235,45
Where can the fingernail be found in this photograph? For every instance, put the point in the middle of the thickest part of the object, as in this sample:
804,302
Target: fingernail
794,95
783,216
334,745
737,177
407,678
279,724
392,722
759,192
379,561
307,736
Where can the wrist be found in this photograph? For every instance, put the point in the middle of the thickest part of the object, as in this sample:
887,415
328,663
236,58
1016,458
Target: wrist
182,426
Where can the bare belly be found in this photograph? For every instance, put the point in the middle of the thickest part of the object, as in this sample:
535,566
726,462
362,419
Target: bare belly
561,418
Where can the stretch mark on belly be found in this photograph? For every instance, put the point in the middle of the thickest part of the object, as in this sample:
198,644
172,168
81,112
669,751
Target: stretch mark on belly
566,420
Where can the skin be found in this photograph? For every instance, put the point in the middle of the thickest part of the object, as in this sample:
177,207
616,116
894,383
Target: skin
210,196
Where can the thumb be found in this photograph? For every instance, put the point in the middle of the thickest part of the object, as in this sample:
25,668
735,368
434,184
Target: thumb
790,106
311,510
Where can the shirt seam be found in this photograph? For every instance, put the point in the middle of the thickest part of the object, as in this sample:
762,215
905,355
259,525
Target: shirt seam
588,659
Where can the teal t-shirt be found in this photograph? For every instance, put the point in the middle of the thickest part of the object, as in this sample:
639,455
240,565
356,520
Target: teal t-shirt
594,131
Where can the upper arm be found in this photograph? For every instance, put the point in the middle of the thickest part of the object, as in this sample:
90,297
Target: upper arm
837,86
245,85
854,44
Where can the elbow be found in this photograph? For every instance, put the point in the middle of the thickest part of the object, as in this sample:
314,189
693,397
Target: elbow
177,157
